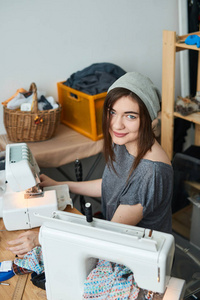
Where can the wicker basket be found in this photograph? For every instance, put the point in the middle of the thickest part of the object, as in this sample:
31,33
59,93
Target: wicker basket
33,126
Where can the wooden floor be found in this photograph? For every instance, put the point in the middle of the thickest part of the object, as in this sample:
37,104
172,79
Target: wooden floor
181,221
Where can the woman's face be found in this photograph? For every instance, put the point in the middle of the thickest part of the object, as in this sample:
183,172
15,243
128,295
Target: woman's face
124,121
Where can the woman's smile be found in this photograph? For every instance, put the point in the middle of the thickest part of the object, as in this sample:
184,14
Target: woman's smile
119,135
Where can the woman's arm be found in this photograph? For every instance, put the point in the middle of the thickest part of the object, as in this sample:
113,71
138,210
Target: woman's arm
90,188
128,214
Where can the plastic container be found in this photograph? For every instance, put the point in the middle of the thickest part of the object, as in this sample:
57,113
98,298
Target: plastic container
81,112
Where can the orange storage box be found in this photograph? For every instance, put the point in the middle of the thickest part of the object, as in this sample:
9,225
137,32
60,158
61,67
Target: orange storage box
81,112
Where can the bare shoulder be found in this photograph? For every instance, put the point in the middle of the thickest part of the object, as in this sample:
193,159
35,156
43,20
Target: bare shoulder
157,153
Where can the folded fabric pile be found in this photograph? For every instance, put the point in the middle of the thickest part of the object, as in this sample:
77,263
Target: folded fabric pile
95,79
23,100
110,281
186,106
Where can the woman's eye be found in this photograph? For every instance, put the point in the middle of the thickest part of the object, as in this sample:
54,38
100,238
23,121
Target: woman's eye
112,112
131,117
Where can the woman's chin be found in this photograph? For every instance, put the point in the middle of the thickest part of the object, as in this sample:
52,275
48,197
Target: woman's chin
118,142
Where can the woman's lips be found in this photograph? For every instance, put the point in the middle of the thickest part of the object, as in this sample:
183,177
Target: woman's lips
119,135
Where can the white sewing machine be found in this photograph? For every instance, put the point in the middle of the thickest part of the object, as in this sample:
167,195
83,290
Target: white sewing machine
23,196
71,247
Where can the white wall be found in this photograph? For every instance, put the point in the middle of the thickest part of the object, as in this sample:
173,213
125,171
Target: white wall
45,41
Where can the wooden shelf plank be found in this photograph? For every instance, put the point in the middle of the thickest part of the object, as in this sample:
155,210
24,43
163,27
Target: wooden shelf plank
181,221
193,184
183,46
195,117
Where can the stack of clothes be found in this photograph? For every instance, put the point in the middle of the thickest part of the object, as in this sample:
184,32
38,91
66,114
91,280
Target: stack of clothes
95,79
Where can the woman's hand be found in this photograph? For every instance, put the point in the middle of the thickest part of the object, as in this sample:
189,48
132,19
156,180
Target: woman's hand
47,181
24,243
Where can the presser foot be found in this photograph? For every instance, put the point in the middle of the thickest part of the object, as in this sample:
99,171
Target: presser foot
33,193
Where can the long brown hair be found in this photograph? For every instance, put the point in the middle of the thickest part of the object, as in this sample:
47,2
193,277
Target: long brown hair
146,137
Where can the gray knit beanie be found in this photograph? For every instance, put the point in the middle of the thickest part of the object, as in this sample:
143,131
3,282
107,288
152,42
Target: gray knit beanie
143,87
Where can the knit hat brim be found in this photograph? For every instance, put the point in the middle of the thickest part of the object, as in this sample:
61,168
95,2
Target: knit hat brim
143,87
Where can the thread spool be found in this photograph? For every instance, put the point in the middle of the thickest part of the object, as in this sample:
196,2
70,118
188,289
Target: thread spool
88,212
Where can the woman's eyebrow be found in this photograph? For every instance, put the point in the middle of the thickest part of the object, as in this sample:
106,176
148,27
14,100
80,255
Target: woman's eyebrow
127,112
131,112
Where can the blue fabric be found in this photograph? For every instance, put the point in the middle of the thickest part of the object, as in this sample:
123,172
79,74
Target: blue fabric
193,40
95,79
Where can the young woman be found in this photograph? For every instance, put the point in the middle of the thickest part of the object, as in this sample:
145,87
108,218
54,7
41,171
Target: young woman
137,183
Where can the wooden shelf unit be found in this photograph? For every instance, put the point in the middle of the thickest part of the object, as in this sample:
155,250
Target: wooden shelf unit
172,44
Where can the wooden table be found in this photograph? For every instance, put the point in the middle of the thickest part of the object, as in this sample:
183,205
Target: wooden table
66,146
31,292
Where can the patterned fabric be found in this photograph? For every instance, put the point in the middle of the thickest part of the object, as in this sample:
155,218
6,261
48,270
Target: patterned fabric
110,281
33,261
18,270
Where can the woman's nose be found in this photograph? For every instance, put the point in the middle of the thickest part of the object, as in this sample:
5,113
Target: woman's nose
118,122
